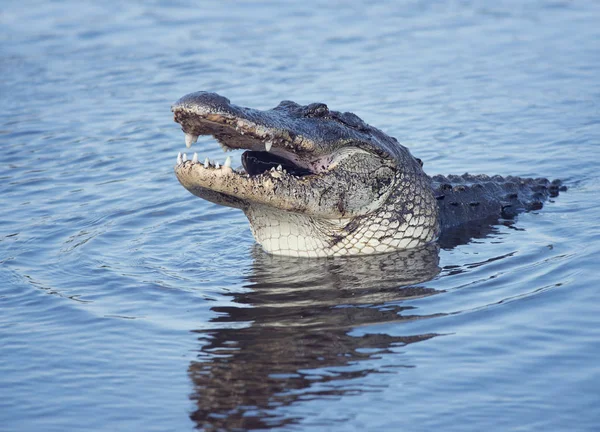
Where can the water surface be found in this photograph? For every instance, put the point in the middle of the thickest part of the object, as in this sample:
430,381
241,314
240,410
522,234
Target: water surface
129,304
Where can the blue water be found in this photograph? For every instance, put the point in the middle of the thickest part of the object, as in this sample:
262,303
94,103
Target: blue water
128,304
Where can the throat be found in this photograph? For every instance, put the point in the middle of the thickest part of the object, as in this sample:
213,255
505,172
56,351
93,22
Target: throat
258,162
293,234
282,232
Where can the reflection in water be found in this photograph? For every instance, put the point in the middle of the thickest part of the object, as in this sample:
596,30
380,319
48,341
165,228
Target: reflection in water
463,234
289,341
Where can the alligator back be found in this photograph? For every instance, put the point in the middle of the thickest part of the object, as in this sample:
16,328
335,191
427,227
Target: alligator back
467,197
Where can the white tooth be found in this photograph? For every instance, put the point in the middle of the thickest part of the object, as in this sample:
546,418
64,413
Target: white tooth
268,145
279,167
227,163
195,158
184,157
206,163
190,139
217,166
273,169
179,158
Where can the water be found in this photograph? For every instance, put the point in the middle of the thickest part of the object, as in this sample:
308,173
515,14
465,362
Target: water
129,304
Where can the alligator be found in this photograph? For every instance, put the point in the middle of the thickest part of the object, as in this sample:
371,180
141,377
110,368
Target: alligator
316,182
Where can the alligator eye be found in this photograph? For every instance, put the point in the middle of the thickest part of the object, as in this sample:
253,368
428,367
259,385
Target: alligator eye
316,110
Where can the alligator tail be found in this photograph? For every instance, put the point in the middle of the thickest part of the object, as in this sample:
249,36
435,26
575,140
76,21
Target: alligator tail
467,197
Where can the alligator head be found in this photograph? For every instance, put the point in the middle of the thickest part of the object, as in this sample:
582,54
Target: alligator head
314,182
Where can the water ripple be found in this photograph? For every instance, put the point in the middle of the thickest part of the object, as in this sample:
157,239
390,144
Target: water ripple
118,283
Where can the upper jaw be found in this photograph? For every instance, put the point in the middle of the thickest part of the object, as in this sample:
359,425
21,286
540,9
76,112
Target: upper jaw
303,134
234,127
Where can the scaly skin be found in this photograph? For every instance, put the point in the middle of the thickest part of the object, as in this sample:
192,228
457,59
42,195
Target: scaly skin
351,188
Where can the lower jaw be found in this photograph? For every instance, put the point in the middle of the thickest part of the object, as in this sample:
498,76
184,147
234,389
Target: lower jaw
274,187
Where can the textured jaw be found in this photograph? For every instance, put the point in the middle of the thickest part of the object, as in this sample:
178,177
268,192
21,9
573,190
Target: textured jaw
241,188
346,190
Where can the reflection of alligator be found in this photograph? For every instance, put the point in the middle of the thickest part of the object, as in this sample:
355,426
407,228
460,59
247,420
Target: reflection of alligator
290,341
288,338
319,183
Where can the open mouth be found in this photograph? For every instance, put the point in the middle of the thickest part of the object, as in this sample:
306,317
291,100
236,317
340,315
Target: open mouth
292,159
271,171
265,149
254,163
259,162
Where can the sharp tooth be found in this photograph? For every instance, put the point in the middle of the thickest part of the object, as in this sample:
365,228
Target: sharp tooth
179,158
268,145
227,163
195,158
206,163
217,166
184,157
190,139
279,167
